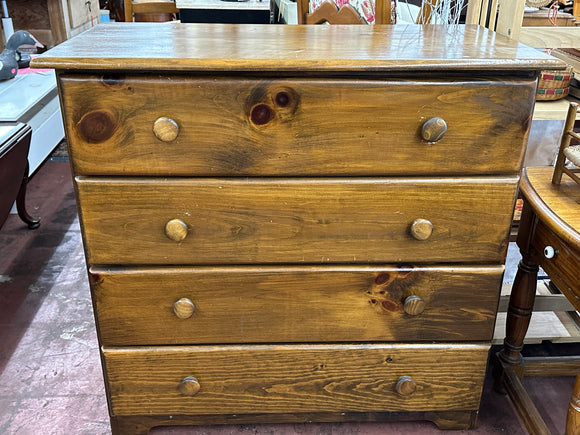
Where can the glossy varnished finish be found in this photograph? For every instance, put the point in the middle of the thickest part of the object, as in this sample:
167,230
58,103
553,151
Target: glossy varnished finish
232,126
549,218
243,221
347,303
555,205
298,49
294,378
308,229
549,236
140,424
556,214
573,415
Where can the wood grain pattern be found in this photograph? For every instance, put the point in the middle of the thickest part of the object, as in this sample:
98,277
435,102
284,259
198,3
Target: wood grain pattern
524,405
555,204
279,127
554,37
556,223
243,221
564,268
552,366
302,50
165,129
82,12
549,218
294,304
298,378
573,414
295,173
141,424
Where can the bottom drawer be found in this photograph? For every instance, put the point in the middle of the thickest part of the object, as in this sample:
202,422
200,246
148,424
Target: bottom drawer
294,378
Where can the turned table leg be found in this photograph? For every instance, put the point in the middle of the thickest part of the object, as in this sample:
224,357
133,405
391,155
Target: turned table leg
510,367
573,417
520,310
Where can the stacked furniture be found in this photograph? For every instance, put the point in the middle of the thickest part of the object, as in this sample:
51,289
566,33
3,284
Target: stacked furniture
312,231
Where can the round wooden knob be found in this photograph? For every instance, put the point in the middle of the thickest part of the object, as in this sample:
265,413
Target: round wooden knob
434,129
421,229
176,230
183,308
166,129
405,386
414,305
189,386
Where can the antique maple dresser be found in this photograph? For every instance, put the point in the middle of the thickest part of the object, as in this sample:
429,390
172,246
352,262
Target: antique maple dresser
294,223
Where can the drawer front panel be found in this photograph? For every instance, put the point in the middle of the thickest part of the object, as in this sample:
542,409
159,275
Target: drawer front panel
294,304
231,221
227,126
564,267
293,379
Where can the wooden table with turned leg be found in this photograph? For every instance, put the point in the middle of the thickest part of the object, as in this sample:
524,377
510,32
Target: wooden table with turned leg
14,171
549,236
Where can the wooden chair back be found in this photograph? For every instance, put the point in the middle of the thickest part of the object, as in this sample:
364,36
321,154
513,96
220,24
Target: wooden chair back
568,153
152,11
329,12
501,16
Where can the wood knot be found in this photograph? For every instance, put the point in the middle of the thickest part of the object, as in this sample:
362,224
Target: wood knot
283,99
113,80
261,114
382,278
97,126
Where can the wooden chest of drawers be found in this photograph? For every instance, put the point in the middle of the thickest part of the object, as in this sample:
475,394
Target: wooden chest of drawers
315,231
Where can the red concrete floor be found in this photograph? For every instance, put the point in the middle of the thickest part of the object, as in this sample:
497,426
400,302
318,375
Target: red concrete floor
50,373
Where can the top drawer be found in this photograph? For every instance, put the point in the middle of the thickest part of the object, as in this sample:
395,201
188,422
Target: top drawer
149,125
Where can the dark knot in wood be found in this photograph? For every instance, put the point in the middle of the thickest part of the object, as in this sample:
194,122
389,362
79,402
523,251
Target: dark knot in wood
96,126
261,114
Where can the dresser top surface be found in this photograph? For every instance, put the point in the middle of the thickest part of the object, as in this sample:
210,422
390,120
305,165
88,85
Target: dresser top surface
284,48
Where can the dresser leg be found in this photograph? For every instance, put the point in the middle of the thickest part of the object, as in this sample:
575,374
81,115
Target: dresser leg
519,314
130,425
141,424
454,420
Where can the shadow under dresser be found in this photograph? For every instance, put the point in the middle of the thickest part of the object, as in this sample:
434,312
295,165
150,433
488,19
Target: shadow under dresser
295,223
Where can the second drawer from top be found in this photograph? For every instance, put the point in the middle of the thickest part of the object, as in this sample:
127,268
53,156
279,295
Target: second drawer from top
304,221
